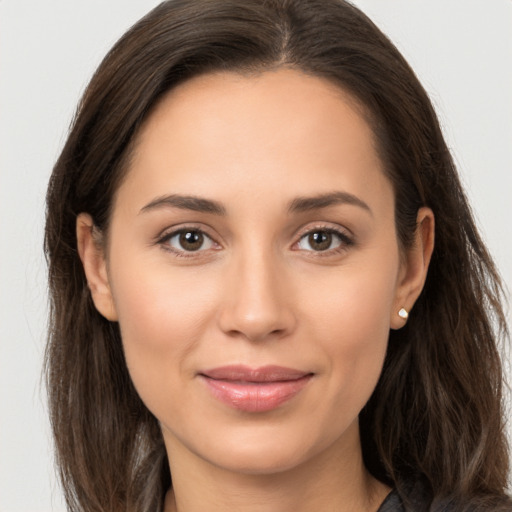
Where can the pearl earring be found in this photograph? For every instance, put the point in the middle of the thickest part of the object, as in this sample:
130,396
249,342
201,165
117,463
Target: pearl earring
403,314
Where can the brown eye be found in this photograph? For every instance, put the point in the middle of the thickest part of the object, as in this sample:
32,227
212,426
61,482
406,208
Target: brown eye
189,240
321,240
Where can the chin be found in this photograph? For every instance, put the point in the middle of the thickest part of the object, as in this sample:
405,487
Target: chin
265,452
260,462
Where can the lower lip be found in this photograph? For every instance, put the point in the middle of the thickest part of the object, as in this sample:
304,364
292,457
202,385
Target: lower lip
255,396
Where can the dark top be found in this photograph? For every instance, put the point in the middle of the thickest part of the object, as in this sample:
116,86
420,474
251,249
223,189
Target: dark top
392,503
419,499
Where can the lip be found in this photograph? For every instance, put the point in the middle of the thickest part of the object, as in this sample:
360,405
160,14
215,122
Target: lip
255,389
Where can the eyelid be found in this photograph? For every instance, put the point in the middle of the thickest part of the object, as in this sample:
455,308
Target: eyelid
170,232
345,235
184,226
324,226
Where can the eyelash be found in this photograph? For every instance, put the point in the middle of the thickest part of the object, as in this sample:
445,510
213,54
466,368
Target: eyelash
345,240
163,241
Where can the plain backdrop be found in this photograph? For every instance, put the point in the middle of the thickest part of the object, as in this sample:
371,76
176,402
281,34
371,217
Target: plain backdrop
460,49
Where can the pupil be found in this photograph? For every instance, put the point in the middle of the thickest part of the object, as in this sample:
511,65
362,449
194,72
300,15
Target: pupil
320,240
191,240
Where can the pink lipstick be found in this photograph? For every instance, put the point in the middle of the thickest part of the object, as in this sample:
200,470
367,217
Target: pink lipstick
255,389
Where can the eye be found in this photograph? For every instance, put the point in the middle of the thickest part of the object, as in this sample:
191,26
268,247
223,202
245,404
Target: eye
187,240
322,240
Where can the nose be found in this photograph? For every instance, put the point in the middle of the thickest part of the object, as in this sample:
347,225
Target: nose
257,302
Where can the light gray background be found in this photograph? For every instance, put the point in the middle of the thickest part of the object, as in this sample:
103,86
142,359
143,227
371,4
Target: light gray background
461,50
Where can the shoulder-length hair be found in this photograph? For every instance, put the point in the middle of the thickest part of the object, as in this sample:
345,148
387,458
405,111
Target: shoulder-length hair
436,414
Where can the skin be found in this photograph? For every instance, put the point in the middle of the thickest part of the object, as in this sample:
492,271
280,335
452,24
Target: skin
258,291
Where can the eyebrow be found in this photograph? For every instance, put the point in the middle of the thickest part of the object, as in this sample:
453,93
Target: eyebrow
196,204
297,205
303,204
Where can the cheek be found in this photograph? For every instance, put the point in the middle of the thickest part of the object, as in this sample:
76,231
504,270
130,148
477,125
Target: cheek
162,317
157,304
351,322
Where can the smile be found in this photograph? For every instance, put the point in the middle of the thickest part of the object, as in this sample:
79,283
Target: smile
255,390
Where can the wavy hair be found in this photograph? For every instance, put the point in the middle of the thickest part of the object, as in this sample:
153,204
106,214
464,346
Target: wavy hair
437,411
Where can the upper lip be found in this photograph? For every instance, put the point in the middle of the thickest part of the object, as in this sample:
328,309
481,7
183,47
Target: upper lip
241,373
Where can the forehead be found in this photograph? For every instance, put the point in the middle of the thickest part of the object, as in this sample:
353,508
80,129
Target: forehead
269,98
281,129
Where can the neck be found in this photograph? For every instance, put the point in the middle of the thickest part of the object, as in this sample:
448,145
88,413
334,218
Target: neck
335,479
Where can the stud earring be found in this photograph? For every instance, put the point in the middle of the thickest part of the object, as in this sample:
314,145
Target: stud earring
403,314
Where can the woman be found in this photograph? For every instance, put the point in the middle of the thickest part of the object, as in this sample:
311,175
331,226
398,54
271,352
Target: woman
246,296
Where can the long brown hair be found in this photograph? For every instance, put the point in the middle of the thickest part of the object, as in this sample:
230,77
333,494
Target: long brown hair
436,414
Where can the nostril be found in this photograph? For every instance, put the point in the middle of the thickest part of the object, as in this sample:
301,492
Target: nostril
257,329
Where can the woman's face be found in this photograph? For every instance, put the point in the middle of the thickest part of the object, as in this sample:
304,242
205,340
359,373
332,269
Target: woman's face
254,269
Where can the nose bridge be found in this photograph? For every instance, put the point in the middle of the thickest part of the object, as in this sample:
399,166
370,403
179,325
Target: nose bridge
257,304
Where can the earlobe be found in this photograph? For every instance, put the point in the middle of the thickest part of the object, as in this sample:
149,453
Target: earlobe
414,268
93,259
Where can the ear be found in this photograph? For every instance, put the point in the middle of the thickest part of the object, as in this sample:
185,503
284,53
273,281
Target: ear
92,254
414,267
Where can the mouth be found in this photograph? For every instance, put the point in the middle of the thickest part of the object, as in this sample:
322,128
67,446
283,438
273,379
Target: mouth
255,389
